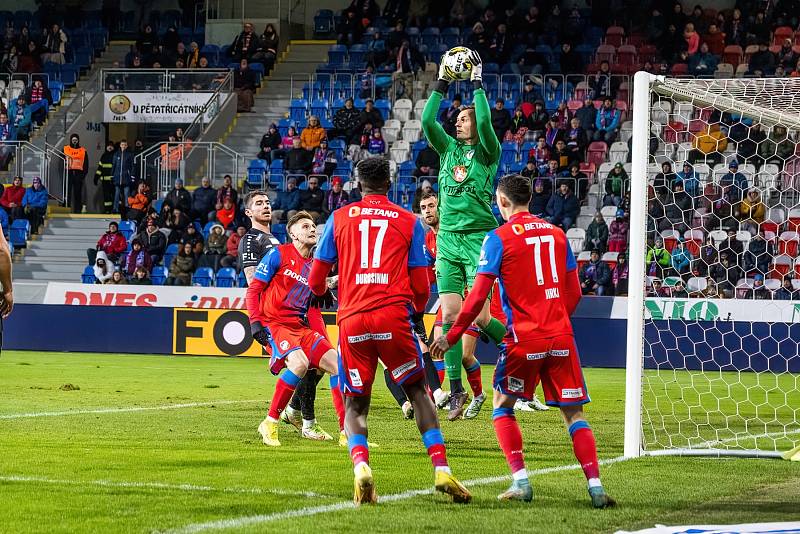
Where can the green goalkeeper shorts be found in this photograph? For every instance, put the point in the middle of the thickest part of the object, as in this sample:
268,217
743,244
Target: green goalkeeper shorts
457,255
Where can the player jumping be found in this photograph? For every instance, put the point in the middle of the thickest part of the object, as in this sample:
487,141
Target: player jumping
383,290
252,248
539,289
466,176
278,301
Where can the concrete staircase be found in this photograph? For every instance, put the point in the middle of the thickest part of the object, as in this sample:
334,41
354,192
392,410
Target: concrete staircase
273,98
58,253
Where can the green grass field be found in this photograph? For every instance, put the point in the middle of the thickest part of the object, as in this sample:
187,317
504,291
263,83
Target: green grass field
161,443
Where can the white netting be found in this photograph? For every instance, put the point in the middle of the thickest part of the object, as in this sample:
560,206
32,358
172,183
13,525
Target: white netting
722,313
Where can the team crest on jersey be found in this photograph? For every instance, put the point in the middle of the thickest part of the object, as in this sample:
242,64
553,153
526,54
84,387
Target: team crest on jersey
355,211
518,229
284,345
459,173
516,384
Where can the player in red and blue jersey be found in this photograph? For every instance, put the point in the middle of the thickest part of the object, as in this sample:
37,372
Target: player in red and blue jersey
278,300
539,290
383,290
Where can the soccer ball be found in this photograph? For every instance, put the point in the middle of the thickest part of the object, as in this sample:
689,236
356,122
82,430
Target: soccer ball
457,63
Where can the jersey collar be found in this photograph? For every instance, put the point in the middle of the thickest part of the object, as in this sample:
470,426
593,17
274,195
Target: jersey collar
375,196
518,215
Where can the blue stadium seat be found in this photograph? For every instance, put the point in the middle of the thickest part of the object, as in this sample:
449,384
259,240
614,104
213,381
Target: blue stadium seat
20,232
211,51
283,126
320,107
69,75
430,36
450,37
127,229
298,108
256,171
338,145
56,89
258,68
204,276
509,154
407,167
242,279
357,53
226,277
157,203
207,229
384,107
279,231
88,275
159,275
171,252
323,23
337,55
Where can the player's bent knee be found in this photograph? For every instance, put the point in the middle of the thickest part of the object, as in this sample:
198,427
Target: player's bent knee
330,362
297,362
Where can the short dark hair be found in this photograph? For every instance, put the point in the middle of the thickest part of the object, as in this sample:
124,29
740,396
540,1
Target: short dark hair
517,188
374,172
297,217
249,197
426,196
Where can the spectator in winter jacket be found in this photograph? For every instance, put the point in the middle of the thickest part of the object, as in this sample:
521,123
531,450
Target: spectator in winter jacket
227,213
370,115
619,276
298,159
596,234
287,203
11,201
787,291
616,184
204,200
312,134
678,211
227,190
606,123
312,199
335,198
217,240
324,161
501,119
658,290
703,63
681,258
154,241
448,116
709,145
706,258
377,146
690,180
232,248
759,291
345,121
752,211
733,247
122,172
182,267
287,141
427,163
540,154
136,258
595,276
103,268
759,255
657,259
538,118
139,203
140,277
562,209
587,116
576,139
539,199
715,40
113,243
179,198
269,141
735,181
618,232
777,147
34,202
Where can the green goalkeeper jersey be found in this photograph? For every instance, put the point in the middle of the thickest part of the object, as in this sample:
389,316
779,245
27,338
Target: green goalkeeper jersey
466,172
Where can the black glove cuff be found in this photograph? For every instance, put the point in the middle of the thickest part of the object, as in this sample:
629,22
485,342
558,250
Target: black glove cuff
441,86
477,84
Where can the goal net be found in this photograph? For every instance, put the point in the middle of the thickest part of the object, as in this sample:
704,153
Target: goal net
713,363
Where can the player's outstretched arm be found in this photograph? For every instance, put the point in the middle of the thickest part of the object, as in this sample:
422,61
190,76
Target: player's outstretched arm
483,113
318,278
434,133
469,312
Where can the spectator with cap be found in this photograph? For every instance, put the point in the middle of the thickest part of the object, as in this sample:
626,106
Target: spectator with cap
530,170
597,234
313,134
752,211
618,232
539,199
538,119
562,208
195,238
312,199
759,290
735,180
595,276
518,127
335,198
153,240
288,201
136,258
270,141
34,202
616,183
112,243
690,180
606,122
619,276
204,200
11,200
232,248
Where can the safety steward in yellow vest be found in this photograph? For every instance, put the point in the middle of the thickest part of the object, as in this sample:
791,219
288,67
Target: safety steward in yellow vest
105,177
77,168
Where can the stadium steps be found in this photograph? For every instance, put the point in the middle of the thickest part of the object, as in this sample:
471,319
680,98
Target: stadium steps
297,64
58,253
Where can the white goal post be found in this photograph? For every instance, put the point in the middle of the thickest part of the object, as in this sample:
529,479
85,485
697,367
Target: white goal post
708,374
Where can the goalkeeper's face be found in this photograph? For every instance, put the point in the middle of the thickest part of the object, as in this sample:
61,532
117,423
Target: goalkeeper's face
304,232
466,129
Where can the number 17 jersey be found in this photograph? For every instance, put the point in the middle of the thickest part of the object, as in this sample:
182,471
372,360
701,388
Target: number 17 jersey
376,242
532,260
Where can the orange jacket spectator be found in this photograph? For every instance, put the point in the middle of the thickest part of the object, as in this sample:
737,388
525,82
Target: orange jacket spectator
711,139
139,202
226,214
312,134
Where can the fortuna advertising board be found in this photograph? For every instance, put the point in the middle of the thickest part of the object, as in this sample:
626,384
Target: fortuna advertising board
157,107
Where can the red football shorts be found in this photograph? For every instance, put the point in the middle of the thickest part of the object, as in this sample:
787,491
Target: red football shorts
287,339
553,361
386,334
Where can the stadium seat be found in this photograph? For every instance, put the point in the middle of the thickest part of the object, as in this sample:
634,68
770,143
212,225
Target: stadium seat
279,231
171,252
204,276
412,130
159,275
390,130
611,259
20,233
88,275
402,109
226,277
127,229
583,259
241,279
577,238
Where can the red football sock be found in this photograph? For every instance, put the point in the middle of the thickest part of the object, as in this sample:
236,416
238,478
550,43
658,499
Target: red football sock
359,448
284,390
474,378
338,402
585,448
510,437
434,443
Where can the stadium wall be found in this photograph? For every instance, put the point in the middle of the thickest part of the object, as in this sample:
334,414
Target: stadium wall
708,334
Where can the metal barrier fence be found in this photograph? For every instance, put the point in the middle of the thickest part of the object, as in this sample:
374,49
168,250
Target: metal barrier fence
22,158
164,80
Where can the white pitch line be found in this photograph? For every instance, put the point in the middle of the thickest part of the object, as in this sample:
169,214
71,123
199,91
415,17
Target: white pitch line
162,486
129,409
238,522
709,444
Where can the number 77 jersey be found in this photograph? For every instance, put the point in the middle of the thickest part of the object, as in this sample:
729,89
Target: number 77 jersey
532,260
375,242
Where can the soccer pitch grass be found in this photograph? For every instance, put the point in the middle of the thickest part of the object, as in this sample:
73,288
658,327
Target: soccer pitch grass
159,443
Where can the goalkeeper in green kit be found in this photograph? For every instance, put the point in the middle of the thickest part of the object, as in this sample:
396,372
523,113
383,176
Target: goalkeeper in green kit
467,168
